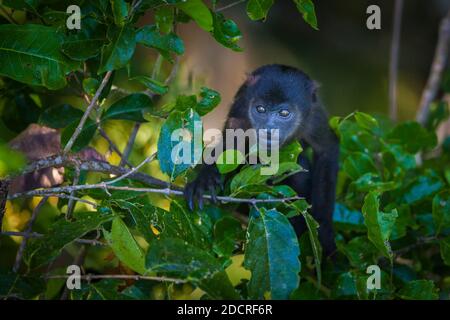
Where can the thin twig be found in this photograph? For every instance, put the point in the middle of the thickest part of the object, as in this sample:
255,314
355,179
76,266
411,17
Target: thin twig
228,6
89,165
7,15
166,191
130,143
86,114
133,170
112,144
72,201
89,277
393,65
29,229
92,242
437,68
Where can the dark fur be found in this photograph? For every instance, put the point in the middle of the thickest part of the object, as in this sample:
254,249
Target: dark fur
275,85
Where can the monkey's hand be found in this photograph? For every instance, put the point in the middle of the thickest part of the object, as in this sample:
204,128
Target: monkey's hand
208,179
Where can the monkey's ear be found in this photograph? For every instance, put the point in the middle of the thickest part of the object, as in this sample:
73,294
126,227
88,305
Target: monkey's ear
314,88
251,79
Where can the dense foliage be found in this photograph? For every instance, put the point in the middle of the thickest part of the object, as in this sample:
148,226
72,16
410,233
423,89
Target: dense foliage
393,205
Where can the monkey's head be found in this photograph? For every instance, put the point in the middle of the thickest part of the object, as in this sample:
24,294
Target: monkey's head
278,97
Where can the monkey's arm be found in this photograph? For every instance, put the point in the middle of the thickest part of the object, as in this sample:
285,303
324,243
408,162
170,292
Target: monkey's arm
325,145
208,179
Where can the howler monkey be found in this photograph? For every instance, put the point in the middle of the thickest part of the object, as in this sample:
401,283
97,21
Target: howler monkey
285,98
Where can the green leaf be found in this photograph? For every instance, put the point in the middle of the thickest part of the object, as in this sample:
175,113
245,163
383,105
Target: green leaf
154,85
226,32
306,8
87,42
445,250
175,157
34,56
177,258
22,4
63,232
60,116
237,158
90,86
366,121
372,182
313,227
193,227
290,152
272,255
423,187
404,132
130,107
441,211
346,219
379,224
149,36
227,231
125,246
258,9
209,99
164,17
198,11
360,252
356,164
120,11
419,290
120,50
14,285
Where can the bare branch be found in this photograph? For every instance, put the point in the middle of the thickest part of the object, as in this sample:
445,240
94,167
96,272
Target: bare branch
130,143
166,191
90,165
231,5
29,229
437,68
133,170
86,114
72,202
89,277
393,65
92,242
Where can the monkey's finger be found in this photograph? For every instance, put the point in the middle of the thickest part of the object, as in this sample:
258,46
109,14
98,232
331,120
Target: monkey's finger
212,191
189,196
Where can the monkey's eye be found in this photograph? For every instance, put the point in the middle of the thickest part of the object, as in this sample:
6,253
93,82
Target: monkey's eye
260,109
284,113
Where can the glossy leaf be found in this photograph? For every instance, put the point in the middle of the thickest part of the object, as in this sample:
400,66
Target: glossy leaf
60,116
154,85
441,211
34,56
419,290
130,107
258,9
125,246
198,11
379,224
120,49
63,232
306,8
149,36
175,157
271,255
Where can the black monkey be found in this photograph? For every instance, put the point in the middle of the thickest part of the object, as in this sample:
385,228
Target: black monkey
285,98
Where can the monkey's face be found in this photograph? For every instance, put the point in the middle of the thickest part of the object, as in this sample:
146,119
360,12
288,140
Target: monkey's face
278,97
283,117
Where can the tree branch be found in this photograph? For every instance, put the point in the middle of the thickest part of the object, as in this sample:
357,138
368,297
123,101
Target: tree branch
92,242
437,68
89,277
29,229
86,114
393,65
90,165
166,191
